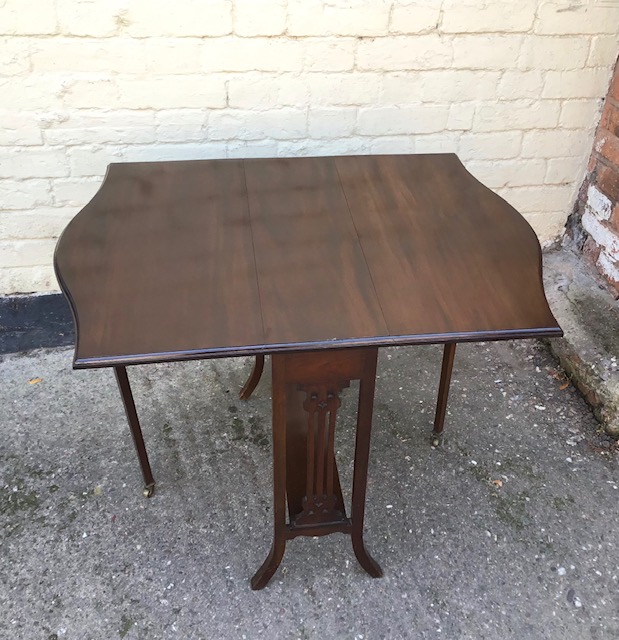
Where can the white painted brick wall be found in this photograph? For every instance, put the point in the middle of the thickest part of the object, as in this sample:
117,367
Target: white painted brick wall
600,205
562,170
547,52
509,173
409,16
376,121
154,18
514,88
346,18
473,16
603,234
609,267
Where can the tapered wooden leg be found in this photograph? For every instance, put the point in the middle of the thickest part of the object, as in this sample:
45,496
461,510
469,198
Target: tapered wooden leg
306,399
269,566
261,578
253,379
443,392
360,474
136,432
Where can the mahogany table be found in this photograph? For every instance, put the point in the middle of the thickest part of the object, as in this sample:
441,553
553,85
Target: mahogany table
317,262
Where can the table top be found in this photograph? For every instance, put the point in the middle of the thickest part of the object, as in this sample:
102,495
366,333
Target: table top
210,258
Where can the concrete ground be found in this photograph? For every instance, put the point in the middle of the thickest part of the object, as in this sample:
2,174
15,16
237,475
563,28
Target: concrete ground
509,530
589,316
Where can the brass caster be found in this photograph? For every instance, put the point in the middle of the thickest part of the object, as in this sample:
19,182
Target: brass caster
149,491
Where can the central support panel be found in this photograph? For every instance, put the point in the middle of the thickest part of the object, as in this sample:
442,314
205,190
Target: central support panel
313,487
307,389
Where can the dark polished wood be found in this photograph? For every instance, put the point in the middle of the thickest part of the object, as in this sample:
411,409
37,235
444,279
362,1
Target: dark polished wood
307,391
254,378
136,431
443,392
315,286
161,262
182,260
447,255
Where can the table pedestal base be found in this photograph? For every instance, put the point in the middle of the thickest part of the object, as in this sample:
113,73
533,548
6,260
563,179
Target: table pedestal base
306,399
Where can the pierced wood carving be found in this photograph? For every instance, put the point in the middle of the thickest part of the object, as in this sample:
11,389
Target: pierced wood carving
321,501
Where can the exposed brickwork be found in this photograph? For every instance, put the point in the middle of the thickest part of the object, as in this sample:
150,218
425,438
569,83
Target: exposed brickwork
614,88
607,146
515,88
597,209
608,181
610,116
591,249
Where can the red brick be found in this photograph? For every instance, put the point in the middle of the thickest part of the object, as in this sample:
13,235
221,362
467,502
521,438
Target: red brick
610,117
605,117
592,163
614,217
590,250
607,145
608,181
614,85
615,285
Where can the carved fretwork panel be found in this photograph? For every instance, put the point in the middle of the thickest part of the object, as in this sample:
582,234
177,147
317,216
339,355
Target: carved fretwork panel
306,402
322,502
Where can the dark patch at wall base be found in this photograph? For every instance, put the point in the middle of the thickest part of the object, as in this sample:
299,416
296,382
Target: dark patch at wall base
32,322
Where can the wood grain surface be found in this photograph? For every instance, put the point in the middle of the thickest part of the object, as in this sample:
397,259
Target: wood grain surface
182,260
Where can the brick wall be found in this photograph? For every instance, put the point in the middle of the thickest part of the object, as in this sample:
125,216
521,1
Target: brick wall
514,88
597,208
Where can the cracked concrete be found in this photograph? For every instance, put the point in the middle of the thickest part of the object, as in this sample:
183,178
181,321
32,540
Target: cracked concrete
506,531
589,316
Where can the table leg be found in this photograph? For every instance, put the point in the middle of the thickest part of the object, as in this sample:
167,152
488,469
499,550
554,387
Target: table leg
253,379
269,566
359,483
306,399
136,432
443,392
